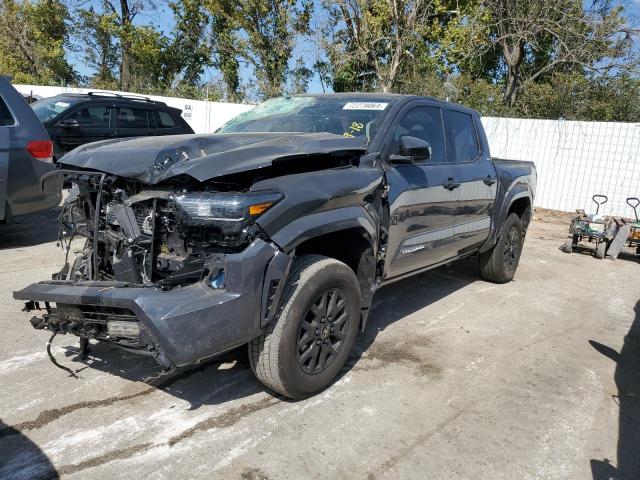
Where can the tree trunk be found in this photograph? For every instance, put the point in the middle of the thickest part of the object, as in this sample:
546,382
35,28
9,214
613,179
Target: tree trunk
125,47
513,56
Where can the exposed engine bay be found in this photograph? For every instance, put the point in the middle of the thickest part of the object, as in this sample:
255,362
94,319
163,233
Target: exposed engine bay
165,235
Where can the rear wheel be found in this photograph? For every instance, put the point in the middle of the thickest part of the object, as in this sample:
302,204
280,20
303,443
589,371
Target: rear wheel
500,263
304,348
601,249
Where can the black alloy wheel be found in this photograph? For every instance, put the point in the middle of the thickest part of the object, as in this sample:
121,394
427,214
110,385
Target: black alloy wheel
322,331
512,247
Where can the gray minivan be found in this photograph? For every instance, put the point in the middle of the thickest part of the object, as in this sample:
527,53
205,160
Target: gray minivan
26,154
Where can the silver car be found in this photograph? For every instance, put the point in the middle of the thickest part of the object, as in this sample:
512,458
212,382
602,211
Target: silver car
26,154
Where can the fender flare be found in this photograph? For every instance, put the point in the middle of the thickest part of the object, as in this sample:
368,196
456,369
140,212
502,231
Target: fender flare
515,192
324,222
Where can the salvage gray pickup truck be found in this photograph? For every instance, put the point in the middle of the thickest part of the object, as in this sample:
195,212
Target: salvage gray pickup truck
277,230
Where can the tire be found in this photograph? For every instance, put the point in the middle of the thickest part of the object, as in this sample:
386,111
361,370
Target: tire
287,356
601,249
501,262
575,240
567,247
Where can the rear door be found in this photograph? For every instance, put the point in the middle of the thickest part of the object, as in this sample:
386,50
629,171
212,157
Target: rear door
85,124
134,121
422,202
476,175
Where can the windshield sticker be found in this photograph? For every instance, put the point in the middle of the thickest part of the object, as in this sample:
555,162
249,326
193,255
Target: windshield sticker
365,106
354,129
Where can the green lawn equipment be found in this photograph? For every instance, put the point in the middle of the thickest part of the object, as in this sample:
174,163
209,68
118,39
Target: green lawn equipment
594,227
634,234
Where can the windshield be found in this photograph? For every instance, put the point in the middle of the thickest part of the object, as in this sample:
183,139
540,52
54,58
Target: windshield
347,116
50,108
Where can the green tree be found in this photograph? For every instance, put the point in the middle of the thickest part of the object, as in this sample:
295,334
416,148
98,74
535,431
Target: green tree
537,38
188,52
260,33
33,41
301,75
97,33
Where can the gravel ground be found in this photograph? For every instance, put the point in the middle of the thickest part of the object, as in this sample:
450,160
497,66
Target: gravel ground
454,378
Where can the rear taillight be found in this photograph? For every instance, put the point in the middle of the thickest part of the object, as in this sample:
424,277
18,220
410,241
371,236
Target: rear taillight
41,150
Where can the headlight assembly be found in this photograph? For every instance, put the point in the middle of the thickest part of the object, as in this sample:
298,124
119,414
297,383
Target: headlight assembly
229,211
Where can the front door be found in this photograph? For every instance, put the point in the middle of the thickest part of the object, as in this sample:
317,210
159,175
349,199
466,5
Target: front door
423,197
86,124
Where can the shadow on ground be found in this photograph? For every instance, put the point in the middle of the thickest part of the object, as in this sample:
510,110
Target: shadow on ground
29,230
627,378
23,459
400,299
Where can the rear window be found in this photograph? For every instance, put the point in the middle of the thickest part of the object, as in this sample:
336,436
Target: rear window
462,136
132,118
165,120
6,119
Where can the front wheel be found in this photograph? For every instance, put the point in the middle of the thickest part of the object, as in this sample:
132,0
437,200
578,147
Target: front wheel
500,263
305,346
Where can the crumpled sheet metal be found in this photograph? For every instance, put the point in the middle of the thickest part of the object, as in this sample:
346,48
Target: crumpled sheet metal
154,159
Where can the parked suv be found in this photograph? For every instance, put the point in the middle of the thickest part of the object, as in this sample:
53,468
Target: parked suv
25,156
73,119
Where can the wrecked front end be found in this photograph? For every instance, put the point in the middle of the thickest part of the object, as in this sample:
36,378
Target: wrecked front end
178,270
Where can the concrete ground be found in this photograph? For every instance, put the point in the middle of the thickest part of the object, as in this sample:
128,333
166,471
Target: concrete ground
454,378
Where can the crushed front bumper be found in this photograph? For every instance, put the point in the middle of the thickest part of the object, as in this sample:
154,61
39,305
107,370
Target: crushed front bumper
180,326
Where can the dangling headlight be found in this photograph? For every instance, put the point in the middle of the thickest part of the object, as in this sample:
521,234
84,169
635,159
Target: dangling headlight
231,212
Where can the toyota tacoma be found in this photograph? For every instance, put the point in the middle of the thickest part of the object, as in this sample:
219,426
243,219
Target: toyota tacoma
277,230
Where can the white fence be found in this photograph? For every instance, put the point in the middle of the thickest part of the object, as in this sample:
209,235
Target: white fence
575,160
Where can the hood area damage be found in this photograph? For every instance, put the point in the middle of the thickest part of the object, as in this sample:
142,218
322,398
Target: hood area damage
152,160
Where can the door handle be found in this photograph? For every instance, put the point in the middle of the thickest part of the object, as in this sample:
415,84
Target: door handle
489,180
450,184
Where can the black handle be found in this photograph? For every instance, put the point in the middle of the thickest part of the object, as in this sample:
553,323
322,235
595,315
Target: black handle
450,184
633,202
599,204
489,180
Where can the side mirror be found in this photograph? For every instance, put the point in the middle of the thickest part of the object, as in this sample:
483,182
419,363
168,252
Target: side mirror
412,150
69,123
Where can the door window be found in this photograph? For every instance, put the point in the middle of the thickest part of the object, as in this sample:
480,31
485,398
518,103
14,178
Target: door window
424,123
6,119
462,136
132,118
92,117
165,120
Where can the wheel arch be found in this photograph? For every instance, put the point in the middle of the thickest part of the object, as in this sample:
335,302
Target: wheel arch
519,200
348,234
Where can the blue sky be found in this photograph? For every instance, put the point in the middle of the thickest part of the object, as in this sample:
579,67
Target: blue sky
162,18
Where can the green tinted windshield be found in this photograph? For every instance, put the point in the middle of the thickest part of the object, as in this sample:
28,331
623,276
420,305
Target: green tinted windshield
49,108
354,116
